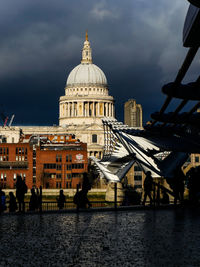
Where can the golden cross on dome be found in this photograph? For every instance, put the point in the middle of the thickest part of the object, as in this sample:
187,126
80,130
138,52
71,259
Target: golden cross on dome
86,36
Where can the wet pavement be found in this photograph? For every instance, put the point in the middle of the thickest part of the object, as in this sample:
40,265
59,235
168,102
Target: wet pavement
124,238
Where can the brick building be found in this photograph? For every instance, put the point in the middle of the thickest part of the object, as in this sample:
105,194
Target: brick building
52,161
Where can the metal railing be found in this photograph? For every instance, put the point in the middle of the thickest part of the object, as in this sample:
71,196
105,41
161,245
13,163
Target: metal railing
68,205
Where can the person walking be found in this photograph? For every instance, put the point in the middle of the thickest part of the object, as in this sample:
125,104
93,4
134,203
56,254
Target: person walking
21,190
33,204
148,183
61,200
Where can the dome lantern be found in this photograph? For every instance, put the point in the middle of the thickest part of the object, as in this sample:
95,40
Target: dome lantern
86,51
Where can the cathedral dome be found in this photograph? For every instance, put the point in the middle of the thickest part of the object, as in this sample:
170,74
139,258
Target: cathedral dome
86,73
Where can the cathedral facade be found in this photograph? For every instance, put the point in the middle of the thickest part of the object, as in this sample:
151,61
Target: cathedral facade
85,103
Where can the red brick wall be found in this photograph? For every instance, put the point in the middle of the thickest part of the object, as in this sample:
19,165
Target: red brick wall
43,157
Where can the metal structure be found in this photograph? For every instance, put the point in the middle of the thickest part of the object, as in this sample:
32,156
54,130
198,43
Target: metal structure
168,140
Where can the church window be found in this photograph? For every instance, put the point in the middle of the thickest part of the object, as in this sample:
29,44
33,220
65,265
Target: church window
86,53
90,89
94,138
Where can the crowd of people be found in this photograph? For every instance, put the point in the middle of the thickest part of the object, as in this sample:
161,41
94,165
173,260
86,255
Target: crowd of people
21,190
177,184
16,203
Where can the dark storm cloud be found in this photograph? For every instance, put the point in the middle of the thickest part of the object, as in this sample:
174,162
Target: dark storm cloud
138,44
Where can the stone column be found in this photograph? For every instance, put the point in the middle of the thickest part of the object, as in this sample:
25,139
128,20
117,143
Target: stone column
94,110
60,110
98,107
66,109
112,111
72,109
82,109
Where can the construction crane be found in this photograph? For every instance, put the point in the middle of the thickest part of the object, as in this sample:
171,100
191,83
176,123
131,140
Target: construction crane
5,119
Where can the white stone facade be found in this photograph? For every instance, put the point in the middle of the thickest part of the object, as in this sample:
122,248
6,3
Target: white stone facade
86,102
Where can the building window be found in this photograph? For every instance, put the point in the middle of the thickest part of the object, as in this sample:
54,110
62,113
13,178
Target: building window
58,158
49,166
94,138
58,175
78,166
196,159
68,167
58,166
137,168
69,176
138,177
68,158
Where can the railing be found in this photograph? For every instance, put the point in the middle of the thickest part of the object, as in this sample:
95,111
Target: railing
69,205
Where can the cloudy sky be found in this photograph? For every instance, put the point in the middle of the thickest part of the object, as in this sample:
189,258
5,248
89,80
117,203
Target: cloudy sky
137,43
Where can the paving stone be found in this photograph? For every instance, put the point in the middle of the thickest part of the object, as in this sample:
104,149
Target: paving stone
124,238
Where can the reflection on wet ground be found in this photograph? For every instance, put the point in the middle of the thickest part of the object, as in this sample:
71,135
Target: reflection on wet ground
129,238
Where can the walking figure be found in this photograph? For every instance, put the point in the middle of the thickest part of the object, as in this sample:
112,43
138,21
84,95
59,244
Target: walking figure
21,190
61,200
148,183
178,185
33,204
80,198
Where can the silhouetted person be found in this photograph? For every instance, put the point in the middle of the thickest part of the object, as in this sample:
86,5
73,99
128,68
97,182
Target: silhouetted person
194,185
12,202
33,204
148,183
86,183
21,190
178,185
61,200
81,199
165,197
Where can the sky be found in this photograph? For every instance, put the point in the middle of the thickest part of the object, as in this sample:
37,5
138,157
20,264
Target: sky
138,45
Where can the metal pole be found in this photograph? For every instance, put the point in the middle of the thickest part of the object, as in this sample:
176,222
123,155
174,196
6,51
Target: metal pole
40,200
115,194
77,205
